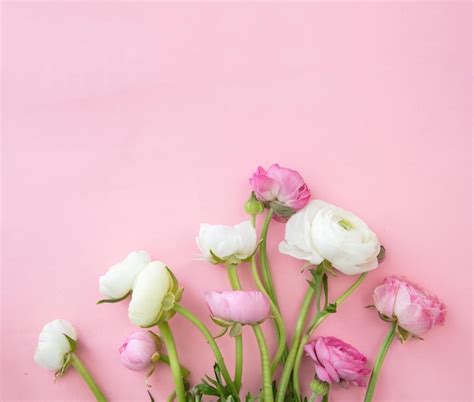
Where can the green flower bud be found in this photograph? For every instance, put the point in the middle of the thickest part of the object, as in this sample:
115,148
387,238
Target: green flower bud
254,206
319,387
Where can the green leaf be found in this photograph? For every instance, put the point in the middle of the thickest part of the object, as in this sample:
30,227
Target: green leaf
114,300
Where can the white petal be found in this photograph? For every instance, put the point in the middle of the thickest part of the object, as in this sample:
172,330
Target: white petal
152,285
247,239
119,279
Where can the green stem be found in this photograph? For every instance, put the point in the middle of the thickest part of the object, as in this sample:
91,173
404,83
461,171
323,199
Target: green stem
325,398
279,324
167,336
369,394
299,352
288,367
212,343
239,355
315,323
265,363
278,320
86,376
267,276
166,360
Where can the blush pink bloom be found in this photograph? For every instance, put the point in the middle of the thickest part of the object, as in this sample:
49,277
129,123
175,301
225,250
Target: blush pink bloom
137,350
337,361
280,185
416,310
244,307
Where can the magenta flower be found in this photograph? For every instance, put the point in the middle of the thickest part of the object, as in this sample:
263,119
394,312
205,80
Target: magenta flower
243,307
138,349
415,310
337,361
280,188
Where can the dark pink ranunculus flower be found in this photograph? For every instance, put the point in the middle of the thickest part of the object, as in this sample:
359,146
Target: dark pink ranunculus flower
337,361
280,187
244,307
416,310
137,350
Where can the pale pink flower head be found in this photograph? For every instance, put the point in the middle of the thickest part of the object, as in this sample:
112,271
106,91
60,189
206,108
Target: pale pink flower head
280,188
138,349
337,362
243,307
416,310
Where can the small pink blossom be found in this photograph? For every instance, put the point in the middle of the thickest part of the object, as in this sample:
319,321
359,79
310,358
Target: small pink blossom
337,361
137,350
244,307
280,187
415,309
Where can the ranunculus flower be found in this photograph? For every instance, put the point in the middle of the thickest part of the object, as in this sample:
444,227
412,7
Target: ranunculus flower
119,279
280,188
322,231
416,310
337,361
149,291
243,307
227,243
53,346
138,349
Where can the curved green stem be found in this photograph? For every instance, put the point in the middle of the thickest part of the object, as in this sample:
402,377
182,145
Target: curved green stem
265,363
167,336
267,276
288,367
369,394
87,377
279,324
212,343
315,323
239,356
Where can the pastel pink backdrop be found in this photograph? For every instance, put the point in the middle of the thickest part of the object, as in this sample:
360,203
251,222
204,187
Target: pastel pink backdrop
125,125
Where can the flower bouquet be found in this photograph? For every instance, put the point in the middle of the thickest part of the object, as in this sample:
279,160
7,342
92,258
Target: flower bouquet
330,241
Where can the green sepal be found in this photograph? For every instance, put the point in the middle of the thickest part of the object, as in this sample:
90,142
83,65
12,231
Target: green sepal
325,290
168,301
72,342
178,295
281,210
370,306
235,330
174,282
66,363
386,318
221,322
253,253
114,300
402,334
381,255
151,396
155,358
216,259
156,338
222,333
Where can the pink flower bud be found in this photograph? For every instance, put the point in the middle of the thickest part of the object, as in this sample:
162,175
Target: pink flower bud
138,349
281,187
244,307
416,310
337,361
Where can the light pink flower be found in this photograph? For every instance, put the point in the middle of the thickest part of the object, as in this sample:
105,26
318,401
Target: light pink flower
416,310
137,350
337,361
281,187
244,307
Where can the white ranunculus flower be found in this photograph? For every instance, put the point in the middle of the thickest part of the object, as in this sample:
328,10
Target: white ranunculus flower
119,279
322,231
53,345
150,288
239,241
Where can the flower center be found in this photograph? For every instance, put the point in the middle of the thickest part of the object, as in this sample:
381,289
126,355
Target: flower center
345,224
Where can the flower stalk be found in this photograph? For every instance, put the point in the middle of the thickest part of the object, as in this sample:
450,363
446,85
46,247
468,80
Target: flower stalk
87,377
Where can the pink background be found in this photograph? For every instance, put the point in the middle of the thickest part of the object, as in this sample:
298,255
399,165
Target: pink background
126,125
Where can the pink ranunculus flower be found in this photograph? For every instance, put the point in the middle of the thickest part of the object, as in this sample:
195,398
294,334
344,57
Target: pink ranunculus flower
281,188
416,310
243,307
138,349
337,361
